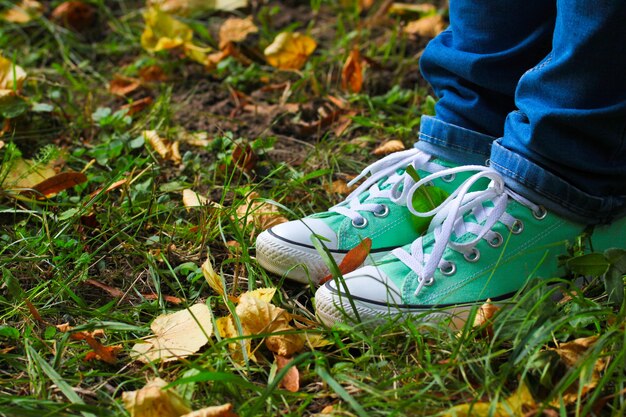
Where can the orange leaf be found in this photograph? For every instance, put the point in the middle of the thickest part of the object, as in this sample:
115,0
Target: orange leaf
58,183
152,73
235,29
169,298
291,380
123,86
353,259
137,105
352,72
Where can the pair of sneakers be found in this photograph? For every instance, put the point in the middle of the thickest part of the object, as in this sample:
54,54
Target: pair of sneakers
442,241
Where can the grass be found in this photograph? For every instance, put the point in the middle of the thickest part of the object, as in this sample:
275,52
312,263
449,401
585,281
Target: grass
140,239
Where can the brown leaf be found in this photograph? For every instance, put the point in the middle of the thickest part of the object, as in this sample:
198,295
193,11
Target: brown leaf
263,215
244,157
57,183
33,311
353,259
291,380
106,354
75,15
214,411
22,12
123,86
112,291
235,29
169,298
428,27
352,72
339,187
484,317
166,149
137,105
152,73
388,147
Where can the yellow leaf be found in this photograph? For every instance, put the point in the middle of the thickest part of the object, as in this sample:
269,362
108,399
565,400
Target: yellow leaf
290,50
154,401
176,335
25,173
22,12
263,294
406,8
235,29
315,340
11,76
285,344
227,330
215,411
212,277
514,405
263,215
162,31
388,147
429,26
260,316
166,149
186,7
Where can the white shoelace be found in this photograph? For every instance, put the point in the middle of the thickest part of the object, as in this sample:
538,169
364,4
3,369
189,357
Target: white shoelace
449,218
396,187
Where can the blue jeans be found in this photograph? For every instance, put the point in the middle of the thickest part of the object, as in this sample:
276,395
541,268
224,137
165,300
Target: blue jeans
538,89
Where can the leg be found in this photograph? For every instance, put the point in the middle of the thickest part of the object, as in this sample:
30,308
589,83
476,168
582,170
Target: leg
565,147
474,67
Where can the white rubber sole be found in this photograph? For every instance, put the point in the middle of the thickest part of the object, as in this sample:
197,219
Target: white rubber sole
297,263
331,309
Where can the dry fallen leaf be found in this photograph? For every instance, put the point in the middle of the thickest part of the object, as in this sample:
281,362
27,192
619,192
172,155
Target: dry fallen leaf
152,73
137,105
11,76
176,335
186,7
57,183
388,147
106,354
515,405
352,72
154,401
262,214
200,139
485,314
407,8
23,12
290,50
123,86
339,187
429,26
353,259
235,29
166,149
212,278
25,173
75,15
193,199
291,380
214,411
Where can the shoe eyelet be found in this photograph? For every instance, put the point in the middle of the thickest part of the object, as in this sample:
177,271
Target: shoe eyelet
383,213
450,270
496,241
473,256
517,227
361,224
448,178
541,213
430,281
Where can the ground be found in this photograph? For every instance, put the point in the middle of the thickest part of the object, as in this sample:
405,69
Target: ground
122,246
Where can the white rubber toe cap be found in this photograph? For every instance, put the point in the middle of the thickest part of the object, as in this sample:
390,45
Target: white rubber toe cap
299,232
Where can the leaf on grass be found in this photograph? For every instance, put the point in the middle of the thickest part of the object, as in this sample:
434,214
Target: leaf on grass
407,8
169,298
352,72
244,157
106,354
169,151
152,73
339,187
291,380
75,15
260,213
485,313
57,183
112,291
353,259
388,147
290,50
123,86
428,27
176,335
163,32
515,405
214,411
11,76
212,278
572,354
25,173
186,7
235,29
23,12
193,199
153,400
137,105
200,139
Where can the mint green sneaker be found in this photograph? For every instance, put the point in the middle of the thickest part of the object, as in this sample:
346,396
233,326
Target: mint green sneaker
380,209
481,245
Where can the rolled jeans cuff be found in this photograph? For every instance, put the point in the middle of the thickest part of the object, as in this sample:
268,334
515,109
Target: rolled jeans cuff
543,187
453,143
